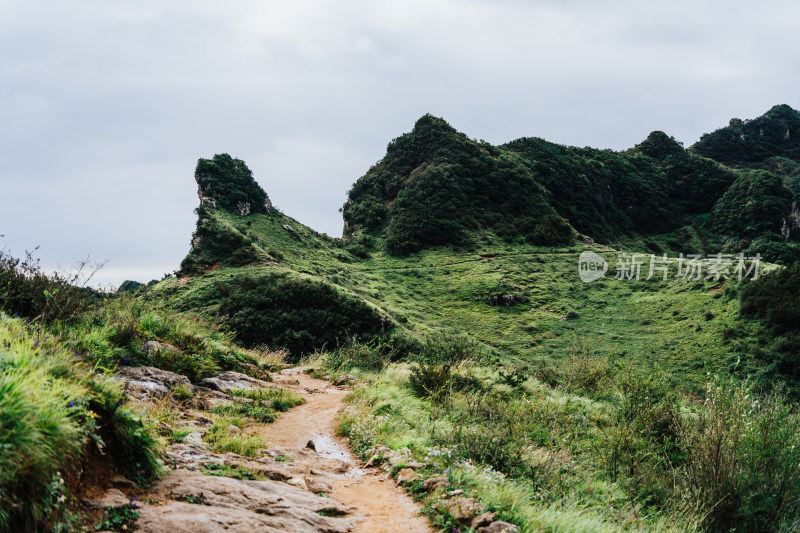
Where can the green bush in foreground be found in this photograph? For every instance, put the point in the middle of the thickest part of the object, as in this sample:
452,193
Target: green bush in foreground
117,334
743,460
51,408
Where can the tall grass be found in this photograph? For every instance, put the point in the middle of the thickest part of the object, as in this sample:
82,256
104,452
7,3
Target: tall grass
637,457
223,438
743,459
282,399
51,407
117,333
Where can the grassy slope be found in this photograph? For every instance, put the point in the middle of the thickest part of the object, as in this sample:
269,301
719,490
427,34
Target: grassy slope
575,347
676,325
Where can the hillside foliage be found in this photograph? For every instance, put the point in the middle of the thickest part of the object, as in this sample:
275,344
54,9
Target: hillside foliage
300,315
436,186
770,142
230,183
756,203
607,195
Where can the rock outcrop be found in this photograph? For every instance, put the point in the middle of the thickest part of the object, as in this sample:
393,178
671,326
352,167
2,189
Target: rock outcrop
239,505
145,381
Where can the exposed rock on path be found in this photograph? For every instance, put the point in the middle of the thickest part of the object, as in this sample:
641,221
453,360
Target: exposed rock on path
312,482
225,504
374,496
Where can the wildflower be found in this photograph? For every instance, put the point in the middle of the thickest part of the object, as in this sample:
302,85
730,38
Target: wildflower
71,404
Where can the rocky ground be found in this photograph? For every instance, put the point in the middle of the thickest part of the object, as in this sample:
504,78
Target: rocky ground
307,480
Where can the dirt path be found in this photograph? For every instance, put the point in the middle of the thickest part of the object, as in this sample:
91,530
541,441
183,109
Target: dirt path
380,504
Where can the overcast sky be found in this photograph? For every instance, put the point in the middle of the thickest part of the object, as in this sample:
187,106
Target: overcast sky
107,105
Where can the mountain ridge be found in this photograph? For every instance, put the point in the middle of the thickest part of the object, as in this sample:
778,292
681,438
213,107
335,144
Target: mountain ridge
437,187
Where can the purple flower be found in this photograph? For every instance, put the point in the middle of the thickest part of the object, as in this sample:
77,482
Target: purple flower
71,404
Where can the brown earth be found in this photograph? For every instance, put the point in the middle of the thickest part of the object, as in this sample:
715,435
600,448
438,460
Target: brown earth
383,506
307,480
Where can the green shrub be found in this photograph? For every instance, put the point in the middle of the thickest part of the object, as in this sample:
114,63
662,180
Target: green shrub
118,518
642,440
495,433
579,371
371,356
743,460
430,381
359,244
136,446
301,315
222,440
432,375
181,393
775,298
51,407
282,399
117,332
27,291
180,434
449,348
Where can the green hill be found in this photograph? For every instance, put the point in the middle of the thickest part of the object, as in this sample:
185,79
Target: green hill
454,294
445,225
435,186
654,188
470,243
769,142
660,396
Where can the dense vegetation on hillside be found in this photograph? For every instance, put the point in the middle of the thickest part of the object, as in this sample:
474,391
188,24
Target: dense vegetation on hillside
775,299
651,189
770,142
214,241
658,404
227,184
230,184
435,186
300,315
756,203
